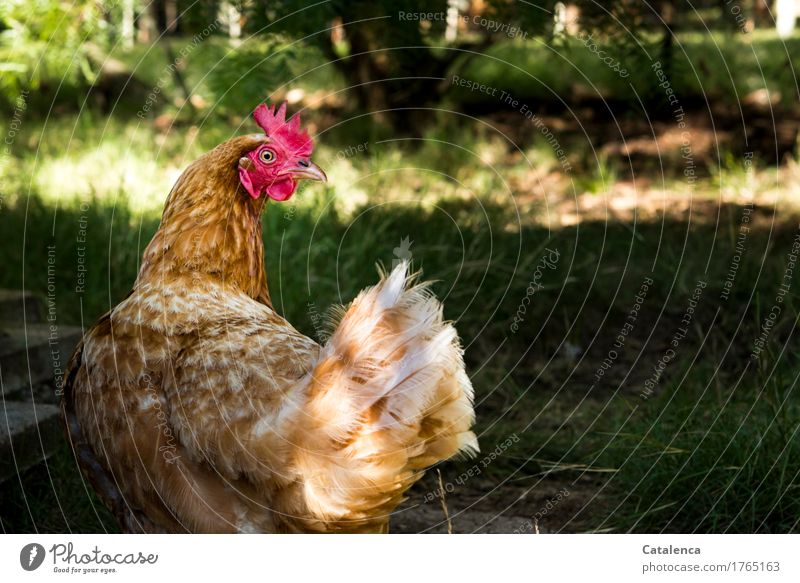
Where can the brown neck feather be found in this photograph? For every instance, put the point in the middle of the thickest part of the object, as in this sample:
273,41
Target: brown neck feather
210,231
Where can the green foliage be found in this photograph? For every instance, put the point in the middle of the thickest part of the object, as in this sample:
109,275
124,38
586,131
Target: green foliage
717,67
242,78
390,54
196,15
44,41
382,54
533,18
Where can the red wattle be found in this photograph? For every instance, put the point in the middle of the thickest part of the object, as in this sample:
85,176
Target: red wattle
281,190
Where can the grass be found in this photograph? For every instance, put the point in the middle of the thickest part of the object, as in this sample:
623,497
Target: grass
713,449
53,498
709,462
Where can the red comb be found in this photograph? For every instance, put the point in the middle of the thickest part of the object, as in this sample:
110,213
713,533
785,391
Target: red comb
289,133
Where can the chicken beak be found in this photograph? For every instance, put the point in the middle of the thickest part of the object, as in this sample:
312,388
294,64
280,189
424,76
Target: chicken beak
307,170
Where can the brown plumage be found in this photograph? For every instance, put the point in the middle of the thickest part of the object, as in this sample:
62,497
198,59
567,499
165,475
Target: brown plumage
193,406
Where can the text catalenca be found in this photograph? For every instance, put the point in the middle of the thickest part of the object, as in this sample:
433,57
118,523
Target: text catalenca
670,550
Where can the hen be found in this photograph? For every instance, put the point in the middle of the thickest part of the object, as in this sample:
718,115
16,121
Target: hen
194,406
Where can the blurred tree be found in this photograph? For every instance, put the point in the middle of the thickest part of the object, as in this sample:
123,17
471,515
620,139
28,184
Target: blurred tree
165,14
48,39
231,15
668,25
247,75
393,56
128,17
762,15
196,15
785,17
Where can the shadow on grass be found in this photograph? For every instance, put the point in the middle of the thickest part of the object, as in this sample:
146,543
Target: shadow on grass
722,425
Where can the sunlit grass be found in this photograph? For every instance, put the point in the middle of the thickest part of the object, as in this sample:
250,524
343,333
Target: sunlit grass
72,159
69,160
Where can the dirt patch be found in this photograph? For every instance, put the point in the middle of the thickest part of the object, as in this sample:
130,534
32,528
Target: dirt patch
550,504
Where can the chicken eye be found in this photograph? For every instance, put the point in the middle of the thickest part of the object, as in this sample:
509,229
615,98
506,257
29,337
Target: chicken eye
266,156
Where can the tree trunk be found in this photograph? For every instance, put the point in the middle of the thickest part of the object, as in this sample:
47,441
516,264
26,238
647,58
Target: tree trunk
451,32
233,20
177,76
761,13
148,29
667,40
785,17
170,16
364,72
128,17
393,84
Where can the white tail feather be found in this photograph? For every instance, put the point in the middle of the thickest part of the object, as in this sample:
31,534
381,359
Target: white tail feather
389,396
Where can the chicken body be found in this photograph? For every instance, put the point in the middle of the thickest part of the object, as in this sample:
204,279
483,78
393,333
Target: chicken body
193,406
